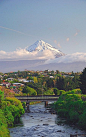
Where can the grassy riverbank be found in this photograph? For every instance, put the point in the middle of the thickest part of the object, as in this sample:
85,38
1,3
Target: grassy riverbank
11,110
72,106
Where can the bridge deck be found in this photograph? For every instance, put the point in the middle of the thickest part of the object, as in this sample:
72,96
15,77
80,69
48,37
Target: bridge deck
38,98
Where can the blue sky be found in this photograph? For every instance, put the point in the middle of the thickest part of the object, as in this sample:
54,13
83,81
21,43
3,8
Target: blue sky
61,23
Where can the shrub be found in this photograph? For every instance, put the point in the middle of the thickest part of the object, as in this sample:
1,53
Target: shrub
1,95
56,91
72,107
8,115
3,125
30,91
17,103
24,105
83,97
10,112
48,92
15,108
63,113
82,120
76,91
62,92
73,116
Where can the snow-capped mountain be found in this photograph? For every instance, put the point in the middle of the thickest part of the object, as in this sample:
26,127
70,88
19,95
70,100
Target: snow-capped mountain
41,56
41,46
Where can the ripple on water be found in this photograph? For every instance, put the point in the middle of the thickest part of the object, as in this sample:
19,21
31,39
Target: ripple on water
42,131
40,123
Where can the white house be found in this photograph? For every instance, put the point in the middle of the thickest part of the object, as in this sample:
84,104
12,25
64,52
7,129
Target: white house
10,79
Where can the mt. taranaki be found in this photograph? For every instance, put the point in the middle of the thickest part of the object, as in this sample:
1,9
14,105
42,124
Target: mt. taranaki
41,56
41,46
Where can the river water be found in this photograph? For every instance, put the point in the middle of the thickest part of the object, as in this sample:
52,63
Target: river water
40,123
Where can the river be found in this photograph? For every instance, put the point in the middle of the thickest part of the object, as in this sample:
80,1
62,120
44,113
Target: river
40,123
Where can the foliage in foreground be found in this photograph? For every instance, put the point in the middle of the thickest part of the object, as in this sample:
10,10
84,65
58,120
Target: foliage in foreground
72,106
10,111
3,125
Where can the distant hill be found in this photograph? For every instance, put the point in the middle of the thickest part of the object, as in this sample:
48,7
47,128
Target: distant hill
7,66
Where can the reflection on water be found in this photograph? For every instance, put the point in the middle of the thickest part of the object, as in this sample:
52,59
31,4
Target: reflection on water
39,122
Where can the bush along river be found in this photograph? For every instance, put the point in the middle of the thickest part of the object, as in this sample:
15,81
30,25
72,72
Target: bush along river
41,123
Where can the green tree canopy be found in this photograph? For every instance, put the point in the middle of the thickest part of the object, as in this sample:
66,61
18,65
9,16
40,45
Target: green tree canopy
1,97
3,125
29,90
83,81
56,91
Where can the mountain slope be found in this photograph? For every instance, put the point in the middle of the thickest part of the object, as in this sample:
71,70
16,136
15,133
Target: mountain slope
41,46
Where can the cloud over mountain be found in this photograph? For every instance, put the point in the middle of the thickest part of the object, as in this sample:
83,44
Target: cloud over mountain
70,58
24,54
39,50
42,50
41,56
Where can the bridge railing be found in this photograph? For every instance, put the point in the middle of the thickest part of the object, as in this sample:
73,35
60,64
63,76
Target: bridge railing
37,97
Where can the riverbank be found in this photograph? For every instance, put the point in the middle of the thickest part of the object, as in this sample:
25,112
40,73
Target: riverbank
40,123
72,107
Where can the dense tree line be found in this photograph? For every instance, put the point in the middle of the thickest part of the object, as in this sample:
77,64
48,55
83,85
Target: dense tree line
67,83
46,84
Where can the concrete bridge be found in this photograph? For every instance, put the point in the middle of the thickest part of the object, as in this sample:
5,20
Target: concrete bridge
37,98
43,98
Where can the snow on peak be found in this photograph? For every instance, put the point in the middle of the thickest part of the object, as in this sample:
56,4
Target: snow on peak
43,46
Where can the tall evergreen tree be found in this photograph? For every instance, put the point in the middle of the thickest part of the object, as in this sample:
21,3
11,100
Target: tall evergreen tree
83,81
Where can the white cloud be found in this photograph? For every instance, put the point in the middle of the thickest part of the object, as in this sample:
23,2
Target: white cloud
22,54
76,34
57,43
67,39
75,57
